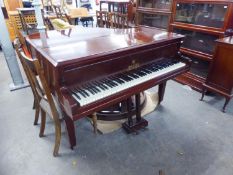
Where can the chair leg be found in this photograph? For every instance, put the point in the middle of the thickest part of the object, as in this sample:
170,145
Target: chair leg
43,120
34,104
225,104
94,120
37,113
57,137
70,130
161,172
203,93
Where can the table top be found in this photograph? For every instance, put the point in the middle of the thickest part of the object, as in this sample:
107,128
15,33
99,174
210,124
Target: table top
85,43
117,1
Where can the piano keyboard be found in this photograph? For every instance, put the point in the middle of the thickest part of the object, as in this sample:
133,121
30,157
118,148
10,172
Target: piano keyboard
96,90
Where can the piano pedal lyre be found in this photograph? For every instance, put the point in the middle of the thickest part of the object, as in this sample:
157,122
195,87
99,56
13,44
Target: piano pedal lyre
133,125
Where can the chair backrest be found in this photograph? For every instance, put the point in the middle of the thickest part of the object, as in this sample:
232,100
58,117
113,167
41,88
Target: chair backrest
18,48
28,20
47,21
102,19
118,20
38,82
61,14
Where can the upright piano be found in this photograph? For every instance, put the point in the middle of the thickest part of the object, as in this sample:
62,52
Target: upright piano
93,68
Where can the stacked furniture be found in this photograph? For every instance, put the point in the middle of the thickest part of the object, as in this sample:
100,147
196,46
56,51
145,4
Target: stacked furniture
156,13
202,22
11,5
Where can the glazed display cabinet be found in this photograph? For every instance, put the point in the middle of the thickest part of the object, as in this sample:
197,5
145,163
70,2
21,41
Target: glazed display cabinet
154,13
202,22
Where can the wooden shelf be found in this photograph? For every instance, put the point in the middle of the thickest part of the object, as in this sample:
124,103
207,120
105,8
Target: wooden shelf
200,25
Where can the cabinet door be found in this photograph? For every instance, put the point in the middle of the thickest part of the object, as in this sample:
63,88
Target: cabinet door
199,67
198,41
153,20
210,15
158,4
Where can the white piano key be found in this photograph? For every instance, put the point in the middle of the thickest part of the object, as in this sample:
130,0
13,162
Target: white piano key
135,81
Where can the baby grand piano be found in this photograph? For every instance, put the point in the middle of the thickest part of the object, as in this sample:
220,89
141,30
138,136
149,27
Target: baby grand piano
94,68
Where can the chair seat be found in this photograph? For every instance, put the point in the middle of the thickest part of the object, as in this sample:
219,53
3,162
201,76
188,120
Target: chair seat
45,106
59,24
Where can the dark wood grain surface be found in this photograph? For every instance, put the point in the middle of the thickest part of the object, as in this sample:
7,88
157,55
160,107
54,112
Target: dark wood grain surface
87,42
220,76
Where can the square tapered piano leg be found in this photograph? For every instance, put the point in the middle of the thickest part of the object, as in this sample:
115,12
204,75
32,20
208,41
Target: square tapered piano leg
133,125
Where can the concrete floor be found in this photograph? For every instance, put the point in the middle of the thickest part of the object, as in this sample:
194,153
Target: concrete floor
184,137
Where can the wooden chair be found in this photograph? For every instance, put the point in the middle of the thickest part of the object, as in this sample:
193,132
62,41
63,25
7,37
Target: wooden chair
36,105
47,102
60,14
44,100
102,18
118,20
28,20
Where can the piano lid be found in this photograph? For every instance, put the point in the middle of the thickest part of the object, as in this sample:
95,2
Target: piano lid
86,42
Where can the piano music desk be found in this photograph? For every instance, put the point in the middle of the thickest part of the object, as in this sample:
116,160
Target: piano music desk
90,55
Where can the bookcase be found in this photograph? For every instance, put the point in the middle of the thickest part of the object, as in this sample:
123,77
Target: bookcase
154,13
202,22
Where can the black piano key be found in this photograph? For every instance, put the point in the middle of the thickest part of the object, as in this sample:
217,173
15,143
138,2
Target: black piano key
99,85
140,73
112,83
128,77
105,84
122,76
108,83
96,88
93,89
80,92
146,71
120,80
117,79
133,75
113,80
84,92
87,88
73,92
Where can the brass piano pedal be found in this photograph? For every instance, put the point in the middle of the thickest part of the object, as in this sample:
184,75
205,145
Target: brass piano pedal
135,126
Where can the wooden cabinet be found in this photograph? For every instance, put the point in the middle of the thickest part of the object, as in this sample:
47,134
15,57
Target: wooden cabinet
154,13
10,29
202,22
220,76
12,5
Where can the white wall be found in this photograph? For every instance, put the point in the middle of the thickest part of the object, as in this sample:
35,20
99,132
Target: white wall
1,3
